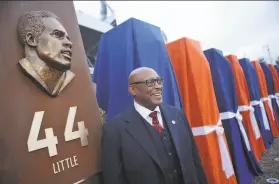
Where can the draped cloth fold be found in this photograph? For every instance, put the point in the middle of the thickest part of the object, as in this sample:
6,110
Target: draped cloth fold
249,120
237,115
263,113
225,155
270,90
243,159
255,126
256,101
195,84
265,99
126,47
275,74
277,69
275,84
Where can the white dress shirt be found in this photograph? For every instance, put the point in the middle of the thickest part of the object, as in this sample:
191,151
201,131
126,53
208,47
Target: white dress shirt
144,112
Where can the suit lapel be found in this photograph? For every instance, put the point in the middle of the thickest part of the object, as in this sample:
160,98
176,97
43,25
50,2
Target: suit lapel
174,126
137,129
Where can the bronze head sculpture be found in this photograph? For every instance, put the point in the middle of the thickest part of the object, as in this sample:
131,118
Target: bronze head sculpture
48,50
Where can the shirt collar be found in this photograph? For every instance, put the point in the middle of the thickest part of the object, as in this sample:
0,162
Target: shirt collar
143,111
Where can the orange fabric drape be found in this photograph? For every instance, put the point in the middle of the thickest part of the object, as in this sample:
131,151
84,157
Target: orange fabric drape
264,94
275,81
275,78
196,88
244,99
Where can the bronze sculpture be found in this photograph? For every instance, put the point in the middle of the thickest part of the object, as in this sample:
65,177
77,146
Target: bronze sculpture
48,50
21,98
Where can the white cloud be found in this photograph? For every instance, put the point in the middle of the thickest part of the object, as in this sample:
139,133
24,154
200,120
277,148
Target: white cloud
234,27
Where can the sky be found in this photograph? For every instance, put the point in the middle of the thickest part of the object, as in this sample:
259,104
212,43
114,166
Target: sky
242,28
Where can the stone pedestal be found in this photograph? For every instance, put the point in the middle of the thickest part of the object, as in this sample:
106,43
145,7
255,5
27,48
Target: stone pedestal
24,105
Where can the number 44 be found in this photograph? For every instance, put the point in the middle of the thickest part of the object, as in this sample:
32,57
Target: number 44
51,141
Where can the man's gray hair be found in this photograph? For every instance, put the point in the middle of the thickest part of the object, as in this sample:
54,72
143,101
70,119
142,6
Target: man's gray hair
32,22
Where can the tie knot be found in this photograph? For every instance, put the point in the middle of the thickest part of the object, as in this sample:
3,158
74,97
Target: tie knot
153,114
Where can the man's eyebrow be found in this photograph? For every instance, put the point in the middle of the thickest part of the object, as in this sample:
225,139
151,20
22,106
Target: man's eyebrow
57,30
60,31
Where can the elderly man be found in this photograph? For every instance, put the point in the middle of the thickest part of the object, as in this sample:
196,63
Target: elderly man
48,51
150,142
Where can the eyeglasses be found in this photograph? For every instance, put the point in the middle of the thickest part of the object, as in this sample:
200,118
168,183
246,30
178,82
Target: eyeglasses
150,82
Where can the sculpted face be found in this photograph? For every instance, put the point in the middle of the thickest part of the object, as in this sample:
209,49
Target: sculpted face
48,51
54,46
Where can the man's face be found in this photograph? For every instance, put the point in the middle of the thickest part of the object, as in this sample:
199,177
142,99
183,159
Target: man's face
54,46
150,94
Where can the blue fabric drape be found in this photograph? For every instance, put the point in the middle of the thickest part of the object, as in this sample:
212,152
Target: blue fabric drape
277,69
254,92
126,47
245,164
270,88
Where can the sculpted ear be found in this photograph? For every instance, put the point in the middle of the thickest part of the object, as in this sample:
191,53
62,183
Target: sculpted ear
30,40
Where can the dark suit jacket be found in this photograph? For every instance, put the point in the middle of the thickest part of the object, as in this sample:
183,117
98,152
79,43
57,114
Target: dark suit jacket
129,156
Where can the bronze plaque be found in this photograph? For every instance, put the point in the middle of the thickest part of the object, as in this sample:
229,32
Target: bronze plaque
50,127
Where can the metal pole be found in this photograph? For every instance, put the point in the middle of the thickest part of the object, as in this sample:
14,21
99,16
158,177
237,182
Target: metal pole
268,50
